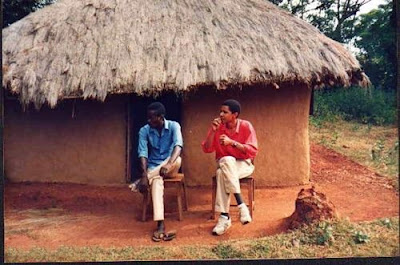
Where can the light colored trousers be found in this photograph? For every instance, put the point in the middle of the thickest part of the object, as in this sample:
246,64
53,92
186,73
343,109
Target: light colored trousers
228,174
157,187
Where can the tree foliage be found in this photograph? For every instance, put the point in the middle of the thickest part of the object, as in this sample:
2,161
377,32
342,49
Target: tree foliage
335,18
14,10
376,39
373,33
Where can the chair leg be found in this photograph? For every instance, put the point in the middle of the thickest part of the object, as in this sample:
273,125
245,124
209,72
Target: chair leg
248,186
179,199
254,193
250,192
214,194
145,204
185,202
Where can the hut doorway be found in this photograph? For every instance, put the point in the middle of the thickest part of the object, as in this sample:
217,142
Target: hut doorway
137,108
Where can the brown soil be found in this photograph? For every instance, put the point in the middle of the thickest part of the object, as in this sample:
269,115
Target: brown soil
52,215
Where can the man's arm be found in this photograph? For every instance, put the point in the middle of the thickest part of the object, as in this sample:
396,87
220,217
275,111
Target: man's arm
143,155
225,140
177,142
175,153
251,143
250,146
143,167
144,181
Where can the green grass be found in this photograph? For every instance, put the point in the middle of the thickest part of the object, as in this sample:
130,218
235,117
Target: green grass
366,239
376,147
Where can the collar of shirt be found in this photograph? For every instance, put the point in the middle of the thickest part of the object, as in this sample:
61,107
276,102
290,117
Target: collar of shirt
225,130
166,127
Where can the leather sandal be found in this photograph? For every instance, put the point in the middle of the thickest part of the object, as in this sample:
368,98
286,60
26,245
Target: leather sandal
157,236
169,235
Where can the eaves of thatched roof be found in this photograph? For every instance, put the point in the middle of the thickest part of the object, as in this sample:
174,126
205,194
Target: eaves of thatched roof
92,48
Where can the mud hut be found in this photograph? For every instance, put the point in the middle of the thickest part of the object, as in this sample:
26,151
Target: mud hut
91,66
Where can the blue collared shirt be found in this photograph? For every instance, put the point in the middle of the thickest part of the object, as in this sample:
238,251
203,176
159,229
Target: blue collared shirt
160,146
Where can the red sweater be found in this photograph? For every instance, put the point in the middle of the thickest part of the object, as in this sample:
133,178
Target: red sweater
244,134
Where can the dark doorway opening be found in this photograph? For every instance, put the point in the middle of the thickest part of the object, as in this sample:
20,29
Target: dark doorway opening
137,119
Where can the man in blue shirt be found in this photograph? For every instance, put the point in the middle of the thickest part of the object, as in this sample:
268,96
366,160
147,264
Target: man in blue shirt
159,149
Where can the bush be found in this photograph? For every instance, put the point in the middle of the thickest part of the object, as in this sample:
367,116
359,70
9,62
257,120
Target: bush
369,106
324,234
361,237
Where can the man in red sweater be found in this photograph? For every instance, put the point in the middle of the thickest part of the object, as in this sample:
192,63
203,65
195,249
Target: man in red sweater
235,145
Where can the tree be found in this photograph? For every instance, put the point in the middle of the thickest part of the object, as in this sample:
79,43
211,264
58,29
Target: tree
376,39
335,18
14,10
373,33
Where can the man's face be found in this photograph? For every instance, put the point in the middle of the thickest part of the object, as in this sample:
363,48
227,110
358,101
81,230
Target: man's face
226,115
153,120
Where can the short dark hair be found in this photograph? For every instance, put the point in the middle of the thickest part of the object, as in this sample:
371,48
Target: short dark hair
157,107
234,105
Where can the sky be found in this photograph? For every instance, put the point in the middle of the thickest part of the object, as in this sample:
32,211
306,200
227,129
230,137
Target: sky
371,5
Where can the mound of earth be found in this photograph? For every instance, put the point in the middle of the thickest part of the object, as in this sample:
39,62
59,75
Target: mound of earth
311,206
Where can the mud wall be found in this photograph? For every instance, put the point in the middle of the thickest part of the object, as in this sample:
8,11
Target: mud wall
51,145
280,118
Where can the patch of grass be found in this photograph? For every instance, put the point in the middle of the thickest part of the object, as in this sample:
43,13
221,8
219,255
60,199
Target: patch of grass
227,251
345,239
24,231
196,252
9,232
376,147
258,249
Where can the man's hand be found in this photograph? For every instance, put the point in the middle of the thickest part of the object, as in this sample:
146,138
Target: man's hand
216,123
165,169
225,140
143,184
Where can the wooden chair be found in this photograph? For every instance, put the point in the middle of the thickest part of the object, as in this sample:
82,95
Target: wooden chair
248,182
178,183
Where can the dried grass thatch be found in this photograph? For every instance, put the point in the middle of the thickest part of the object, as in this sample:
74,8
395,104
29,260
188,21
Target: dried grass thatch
91,48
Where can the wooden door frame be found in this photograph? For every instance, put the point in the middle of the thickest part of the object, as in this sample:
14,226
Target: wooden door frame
129,128
128,148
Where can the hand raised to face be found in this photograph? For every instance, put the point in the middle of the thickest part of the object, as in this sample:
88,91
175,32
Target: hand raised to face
216,123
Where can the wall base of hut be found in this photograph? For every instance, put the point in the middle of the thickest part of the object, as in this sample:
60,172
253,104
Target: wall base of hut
78,141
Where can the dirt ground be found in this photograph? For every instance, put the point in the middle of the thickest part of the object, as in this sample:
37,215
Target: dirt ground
53,215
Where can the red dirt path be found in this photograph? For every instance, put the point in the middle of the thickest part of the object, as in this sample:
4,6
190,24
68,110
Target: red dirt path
52,215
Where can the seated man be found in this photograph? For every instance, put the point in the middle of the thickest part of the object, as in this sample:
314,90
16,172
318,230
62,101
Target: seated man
159,149
235,144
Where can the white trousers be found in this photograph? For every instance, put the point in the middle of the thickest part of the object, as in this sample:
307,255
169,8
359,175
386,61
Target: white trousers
228,174
156,183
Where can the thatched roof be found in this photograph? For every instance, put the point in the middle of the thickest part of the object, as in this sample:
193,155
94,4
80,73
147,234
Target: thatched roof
92,48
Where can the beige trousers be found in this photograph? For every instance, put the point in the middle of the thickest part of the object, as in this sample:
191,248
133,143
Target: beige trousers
156,183
228,174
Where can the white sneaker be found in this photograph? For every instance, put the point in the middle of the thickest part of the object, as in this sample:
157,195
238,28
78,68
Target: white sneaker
222,225
244,214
